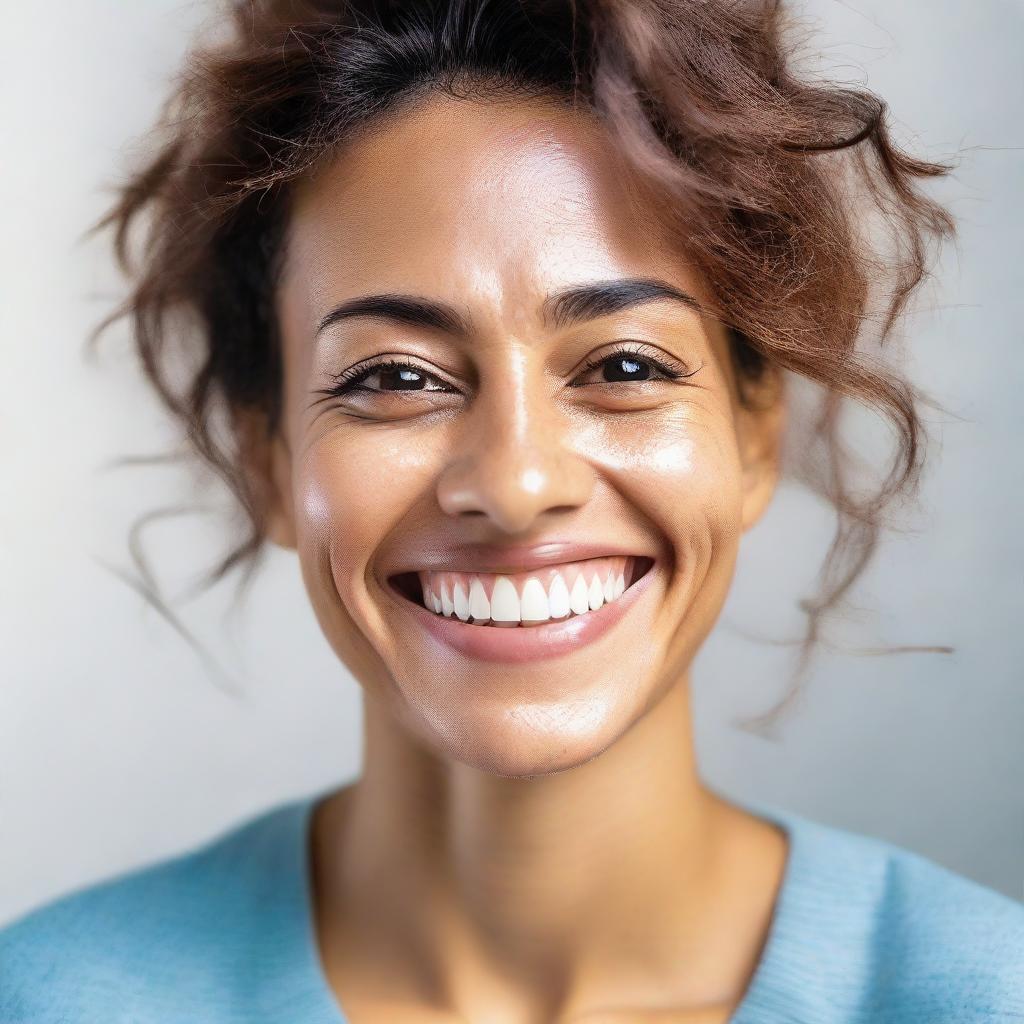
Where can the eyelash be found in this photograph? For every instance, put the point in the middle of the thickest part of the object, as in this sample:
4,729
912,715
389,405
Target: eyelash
349,380
668,368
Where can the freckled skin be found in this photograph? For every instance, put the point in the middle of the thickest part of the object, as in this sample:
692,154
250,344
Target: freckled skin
543,873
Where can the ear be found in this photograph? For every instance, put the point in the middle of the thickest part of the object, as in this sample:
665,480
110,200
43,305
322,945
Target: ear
266,461
761,424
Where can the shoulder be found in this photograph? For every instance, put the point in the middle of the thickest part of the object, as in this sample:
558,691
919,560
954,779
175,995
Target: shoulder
130,947
897,936
962,944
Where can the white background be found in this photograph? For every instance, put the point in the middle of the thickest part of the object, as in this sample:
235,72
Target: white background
117,745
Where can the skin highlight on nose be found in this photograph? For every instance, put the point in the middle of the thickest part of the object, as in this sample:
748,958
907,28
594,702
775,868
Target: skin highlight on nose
511,498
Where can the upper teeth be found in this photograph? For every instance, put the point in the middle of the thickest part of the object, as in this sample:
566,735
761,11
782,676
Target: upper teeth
554,592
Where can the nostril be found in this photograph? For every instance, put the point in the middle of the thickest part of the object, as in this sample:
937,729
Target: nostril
513,484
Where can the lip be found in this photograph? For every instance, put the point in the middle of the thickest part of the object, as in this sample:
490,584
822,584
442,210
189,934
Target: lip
533,643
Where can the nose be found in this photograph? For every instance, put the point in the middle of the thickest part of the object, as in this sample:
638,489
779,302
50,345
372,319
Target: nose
514,464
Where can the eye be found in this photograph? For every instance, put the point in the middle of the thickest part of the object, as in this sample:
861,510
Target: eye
386,376
401,378
616,368
635,363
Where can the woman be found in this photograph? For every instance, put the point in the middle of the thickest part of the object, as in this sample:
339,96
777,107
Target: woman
491,307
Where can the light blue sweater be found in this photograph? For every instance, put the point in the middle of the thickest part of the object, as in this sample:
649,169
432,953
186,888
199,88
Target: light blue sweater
863,932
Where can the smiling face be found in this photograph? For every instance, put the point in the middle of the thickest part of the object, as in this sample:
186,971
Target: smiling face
513,462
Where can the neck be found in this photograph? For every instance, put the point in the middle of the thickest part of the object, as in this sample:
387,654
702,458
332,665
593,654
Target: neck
540,881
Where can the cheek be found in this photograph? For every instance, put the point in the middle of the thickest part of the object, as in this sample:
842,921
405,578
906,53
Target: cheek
681,470
354,485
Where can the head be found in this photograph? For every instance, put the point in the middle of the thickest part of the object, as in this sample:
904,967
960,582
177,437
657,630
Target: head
498,301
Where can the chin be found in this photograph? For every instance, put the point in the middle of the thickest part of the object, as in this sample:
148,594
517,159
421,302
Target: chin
523,738
528,719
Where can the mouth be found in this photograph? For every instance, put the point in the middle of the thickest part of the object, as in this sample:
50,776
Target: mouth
527,616
524,600
553,608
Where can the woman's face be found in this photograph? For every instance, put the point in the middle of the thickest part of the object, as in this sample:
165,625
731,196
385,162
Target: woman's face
517,493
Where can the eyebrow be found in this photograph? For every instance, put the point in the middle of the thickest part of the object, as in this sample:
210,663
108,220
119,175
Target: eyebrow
575,304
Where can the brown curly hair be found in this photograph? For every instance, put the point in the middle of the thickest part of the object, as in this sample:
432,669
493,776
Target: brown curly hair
764,178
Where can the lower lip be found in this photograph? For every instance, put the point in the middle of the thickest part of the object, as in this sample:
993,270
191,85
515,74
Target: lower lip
528,643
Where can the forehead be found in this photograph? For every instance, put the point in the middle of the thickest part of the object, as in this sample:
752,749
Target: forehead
483,203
